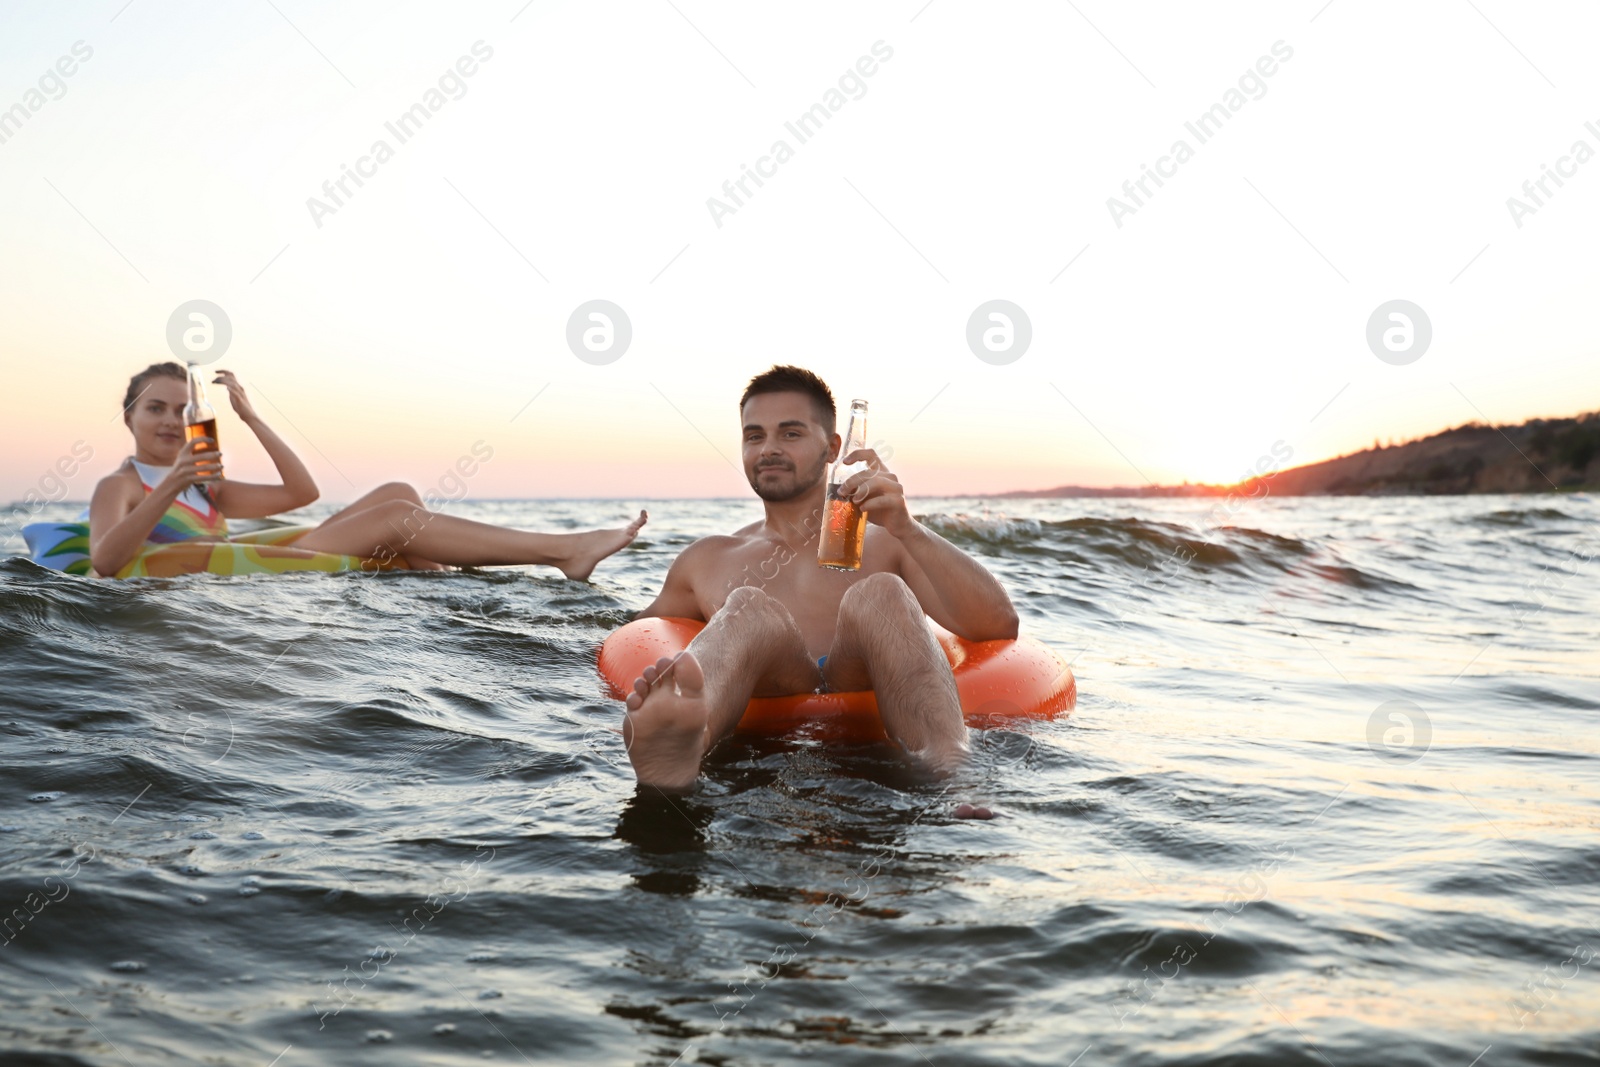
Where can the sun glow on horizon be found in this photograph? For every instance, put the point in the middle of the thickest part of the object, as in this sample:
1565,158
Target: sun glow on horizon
431,309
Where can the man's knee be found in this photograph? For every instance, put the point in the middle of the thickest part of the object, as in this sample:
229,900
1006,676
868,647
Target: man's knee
880,594
746,597
882,608
751,603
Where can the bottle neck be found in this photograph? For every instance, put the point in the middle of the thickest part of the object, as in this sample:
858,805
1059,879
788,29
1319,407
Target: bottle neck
855,437
198,408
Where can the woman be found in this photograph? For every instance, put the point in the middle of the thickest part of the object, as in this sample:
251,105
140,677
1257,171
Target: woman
157,496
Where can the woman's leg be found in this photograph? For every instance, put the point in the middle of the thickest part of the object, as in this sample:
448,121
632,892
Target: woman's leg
408,529
383,494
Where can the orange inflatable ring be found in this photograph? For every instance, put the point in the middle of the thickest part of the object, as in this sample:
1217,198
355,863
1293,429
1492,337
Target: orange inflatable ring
997,680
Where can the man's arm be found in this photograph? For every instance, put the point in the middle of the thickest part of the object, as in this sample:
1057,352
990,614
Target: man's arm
954,589
677,597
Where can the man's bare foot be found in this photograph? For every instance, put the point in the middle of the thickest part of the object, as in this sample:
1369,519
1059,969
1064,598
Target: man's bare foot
973,811
592,546
665,724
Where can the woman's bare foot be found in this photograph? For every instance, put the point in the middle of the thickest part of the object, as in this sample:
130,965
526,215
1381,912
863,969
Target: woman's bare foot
589,548
665,724
973,811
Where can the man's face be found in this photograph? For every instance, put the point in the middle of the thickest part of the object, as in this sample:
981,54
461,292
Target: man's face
786,450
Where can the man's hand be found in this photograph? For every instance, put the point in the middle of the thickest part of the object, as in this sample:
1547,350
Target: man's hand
879,493
952,587
236,393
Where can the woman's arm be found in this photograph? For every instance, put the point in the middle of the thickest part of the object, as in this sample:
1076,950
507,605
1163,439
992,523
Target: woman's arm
120,521
245,500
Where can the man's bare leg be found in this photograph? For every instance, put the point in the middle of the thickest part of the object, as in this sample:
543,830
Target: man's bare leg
883,643
681,707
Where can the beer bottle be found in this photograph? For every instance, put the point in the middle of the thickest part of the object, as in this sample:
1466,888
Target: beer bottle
844,524
200,420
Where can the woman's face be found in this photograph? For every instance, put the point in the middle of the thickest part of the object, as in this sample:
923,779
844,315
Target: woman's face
157,421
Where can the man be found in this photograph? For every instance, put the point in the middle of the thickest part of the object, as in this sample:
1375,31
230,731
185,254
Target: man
779,624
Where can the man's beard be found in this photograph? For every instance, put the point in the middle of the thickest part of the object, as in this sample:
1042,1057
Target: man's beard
778,494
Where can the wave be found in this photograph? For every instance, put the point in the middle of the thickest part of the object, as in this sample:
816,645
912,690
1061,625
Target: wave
1135,541
1519,517
1152,552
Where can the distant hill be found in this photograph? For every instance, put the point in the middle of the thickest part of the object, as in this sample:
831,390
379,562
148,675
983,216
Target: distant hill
1471,458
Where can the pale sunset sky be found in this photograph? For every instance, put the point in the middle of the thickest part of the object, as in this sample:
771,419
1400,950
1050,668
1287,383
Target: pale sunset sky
1179,337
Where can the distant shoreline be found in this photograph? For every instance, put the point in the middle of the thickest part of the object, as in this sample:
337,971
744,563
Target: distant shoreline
1473,459
1537,456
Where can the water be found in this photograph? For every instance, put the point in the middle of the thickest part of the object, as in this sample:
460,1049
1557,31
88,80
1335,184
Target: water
383,818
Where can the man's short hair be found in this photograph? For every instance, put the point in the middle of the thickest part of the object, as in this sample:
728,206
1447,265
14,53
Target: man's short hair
790,379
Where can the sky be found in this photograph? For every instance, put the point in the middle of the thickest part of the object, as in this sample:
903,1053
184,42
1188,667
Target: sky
1358,153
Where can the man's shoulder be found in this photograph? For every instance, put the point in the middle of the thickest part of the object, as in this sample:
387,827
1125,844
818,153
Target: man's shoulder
712,546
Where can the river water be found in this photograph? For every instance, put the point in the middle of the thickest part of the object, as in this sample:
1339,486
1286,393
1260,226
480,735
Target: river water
1330,795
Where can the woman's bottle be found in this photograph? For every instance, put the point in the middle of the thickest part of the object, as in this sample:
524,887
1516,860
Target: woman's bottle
844,524
200,420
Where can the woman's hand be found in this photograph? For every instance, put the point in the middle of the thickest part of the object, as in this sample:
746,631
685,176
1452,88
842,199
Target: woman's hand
244,500
236,394
191,469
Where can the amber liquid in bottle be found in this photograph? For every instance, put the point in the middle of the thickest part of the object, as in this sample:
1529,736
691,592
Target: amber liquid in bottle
844,524
843,532
200,420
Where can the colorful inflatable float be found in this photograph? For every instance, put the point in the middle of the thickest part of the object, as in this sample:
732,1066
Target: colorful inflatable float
998,681
64,546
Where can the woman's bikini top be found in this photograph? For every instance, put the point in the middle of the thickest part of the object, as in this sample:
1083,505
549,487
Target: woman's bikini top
191,517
